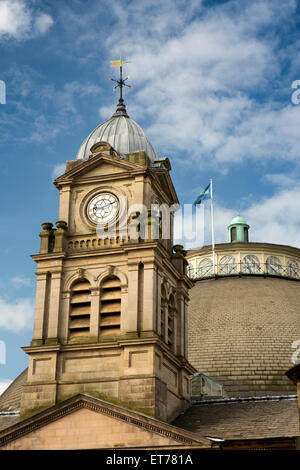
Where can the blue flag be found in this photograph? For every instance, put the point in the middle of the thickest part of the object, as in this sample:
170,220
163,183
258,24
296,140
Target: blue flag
203,196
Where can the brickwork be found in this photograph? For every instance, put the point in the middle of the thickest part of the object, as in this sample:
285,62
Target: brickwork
241,332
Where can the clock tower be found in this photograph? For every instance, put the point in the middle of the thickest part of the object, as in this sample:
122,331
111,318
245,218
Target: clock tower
112,291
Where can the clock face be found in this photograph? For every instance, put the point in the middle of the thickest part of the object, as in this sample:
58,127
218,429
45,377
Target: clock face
103,208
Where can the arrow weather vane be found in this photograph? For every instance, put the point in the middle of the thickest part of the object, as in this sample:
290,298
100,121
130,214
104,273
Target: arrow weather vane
121,82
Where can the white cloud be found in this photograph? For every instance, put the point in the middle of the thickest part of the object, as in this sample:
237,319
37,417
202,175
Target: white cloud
18,20
197,79
15,18
281,179
42,23
4,383
274,219
16,316
21,281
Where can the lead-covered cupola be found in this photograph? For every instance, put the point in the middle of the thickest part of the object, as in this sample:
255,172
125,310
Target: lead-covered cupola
121,132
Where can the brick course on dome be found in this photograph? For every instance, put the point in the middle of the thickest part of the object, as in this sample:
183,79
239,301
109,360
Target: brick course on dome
241,332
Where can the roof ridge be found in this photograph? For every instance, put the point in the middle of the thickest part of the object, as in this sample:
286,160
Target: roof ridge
199,401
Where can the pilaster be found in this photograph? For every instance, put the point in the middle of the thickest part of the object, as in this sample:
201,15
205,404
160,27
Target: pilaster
94,316
40,308
149,297
64,203
130,321
54,306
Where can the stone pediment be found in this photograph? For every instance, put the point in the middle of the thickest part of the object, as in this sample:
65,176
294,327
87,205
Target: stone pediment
85,422
164,181
95,167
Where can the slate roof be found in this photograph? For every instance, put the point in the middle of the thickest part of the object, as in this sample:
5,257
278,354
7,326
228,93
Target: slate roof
7,420
248,418
223,418
10,400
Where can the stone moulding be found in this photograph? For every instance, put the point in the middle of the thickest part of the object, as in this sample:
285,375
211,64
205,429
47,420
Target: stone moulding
99,406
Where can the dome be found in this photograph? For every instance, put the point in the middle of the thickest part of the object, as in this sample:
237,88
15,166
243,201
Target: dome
238,220
238,230
122,133
241,331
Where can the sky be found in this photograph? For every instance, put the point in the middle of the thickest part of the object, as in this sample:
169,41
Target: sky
216,90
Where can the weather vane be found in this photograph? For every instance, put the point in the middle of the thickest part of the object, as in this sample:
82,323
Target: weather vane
121,82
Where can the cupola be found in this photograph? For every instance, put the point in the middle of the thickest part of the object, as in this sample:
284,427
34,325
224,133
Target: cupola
238,230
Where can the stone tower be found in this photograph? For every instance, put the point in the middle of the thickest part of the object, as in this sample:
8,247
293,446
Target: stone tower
111,305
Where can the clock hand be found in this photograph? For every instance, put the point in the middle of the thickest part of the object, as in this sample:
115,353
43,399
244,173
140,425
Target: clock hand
103,207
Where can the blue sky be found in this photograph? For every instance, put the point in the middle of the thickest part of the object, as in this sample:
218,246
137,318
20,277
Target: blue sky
212,90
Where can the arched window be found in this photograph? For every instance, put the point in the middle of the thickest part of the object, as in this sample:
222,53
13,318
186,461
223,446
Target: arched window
110,307
292,269
205,268
191,271
273,265
233,234
227,265
250,265
246,239
80,308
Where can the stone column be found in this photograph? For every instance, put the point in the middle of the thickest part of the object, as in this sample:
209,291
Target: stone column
166,311
181,332
185,330
175,333
40,308
63,330
130,318
94,315
54,307
64,203
149,297
158,303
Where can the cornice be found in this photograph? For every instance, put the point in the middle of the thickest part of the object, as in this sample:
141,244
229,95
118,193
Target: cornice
81,401
119,343
250,247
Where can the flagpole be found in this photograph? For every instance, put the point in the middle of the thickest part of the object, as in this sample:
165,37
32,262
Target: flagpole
212,227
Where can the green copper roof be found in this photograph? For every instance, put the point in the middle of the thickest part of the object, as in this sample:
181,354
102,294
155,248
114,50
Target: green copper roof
238,230
238,220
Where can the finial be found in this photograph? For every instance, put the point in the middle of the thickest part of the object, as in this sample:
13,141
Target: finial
121,109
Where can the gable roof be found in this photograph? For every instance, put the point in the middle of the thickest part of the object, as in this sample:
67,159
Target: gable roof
153,426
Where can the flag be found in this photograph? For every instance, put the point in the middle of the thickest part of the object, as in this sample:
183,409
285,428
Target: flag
205,194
